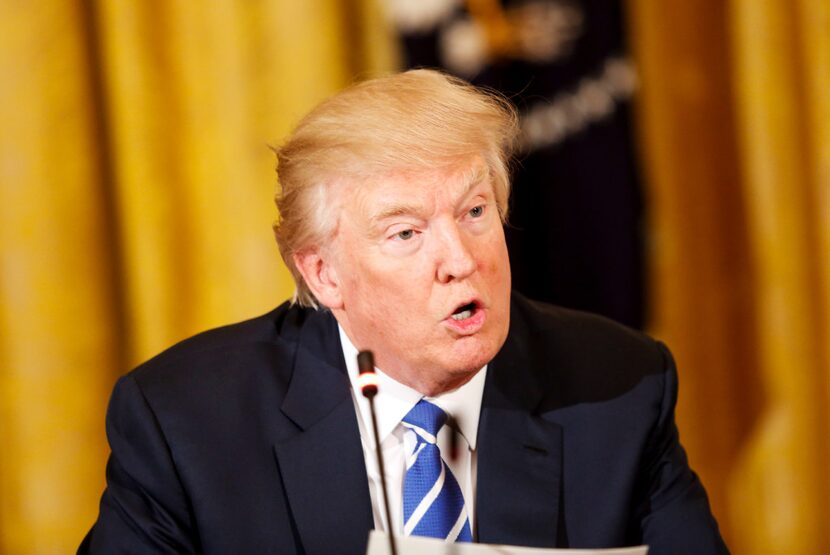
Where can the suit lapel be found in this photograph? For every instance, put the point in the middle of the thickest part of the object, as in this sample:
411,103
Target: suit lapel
520,454
322,466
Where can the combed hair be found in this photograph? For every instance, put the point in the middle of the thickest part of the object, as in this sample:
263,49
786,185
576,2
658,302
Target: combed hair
417,120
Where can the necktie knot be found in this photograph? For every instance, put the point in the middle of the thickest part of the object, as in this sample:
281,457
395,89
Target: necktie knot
425,419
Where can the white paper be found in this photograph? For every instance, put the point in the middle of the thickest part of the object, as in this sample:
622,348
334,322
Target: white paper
415,545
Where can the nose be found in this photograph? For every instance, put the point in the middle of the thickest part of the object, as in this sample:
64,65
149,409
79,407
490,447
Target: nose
455,260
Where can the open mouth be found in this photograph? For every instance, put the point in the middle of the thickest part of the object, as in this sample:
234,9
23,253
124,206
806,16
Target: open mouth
464,311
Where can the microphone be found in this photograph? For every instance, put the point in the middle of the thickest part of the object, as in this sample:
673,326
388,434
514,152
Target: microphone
367,380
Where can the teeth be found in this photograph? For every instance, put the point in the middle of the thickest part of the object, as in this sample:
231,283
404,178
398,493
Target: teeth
462,315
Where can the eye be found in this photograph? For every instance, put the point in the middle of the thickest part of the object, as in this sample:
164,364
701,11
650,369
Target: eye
405,235
477,212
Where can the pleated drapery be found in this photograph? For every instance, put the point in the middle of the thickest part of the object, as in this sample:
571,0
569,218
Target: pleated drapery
735,122
136,207
779,489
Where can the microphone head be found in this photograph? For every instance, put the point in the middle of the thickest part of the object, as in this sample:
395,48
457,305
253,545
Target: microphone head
365,361
367,380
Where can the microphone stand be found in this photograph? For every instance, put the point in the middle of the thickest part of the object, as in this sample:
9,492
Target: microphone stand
368,382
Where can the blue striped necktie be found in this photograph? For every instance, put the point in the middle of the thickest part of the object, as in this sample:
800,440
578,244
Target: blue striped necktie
433,504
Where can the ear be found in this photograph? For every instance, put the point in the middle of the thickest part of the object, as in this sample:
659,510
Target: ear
320,276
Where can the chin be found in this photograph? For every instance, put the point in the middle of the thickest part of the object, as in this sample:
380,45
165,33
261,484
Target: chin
472,355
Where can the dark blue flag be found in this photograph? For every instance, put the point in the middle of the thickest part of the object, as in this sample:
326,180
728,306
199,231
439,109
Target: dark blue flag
575,230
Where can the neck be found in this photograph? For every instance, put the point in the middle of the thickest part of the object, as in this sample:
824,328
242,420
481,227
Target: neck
432,387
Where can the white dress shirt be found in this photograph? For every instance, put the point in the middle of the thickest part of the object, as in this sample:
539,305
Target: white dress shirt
393,401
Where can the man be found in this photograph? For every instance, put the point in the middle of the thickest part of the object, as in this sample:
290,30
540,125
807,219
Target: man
251,438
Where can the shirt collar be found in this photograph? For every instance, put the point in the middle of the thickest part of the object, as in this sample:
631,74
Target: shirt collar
395,399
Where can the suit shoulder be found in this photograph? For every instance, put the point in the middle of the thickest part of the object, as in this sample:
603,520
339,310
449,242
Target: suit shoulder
275,331
576,324
592,347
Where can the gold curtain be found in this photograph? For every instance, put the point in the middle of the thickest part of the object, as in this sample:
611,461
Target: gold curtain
135,207
782,69
735,126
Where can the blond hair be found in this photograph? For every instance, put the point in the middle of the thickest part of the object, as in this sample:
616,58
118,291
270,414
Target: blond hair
417,120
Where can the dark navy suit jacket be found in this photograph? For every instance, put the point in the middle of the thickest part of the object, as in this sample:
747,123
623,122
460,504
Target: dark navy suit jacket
244,439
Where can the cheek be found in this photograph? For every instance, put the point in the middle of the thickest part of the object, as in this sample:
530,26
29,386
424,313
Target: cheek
383,296
504,263
497,259
401,279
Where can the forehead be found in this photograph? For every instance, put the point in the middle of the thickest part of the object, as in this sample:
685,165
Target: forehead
416,191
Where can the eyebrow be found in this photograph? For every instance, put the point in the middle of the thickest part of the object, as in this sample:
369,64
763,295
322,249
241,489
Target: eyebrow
472,179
